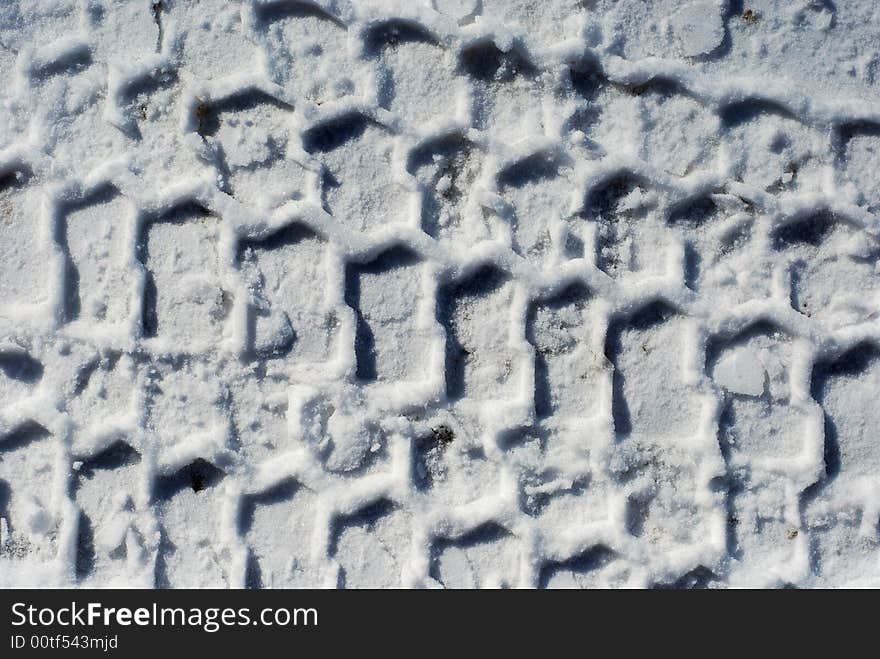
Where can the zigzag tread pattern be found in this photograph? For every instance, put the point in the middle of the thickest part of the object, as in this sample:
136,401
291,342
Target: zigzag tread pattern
454,293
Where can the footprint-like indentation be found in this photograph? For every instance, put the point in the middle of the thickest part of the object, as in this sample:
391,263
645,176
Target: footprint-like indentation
504,95
486,557
651,341
286,274
183,303
25,248
386,295
567,368
832,268
420,93
753,369
371,546
27,466
209,39
299,36
628,228
359,186
96,237
288,509
447,169
475,313
188,509
250,134
538,189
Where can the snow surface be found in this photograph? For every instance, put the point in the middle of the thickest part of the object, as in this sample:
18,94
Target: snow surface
463,293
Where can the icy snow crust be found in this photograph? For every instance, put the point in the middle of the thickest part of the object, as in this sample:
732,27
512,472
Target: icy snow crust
461,293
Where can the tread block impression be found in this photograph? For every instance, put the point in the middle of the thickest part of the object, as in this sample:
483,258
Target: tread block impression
753,369
251,135
447,293
651,341
479,363
28,520
97,235
109,541
420,93
833,269
210,36
447,170
371,546
188,508
486,557
25,245
359,187
568,369
286,274
289,507
386,295
299,36
184,301
539,191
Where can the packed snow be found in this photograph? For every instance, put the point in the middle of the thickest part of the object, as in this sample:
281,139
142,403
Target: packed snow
440,293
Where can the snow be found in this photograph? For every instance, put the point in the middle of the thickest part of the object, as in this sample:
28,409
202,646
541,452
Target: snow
741,372
453,293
